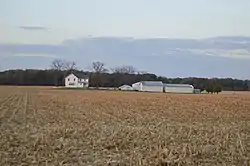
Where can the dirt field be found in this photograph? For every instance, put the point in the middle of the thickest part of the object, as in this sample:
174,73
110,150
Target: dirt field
46,126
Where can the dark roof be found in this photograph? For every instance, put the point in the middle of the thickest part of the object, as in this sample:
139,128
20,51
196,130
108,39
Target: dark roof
178,85
80,75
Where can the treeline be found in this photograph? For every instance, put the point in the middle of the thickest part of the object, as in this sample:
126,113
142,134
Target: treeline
56,78
102,77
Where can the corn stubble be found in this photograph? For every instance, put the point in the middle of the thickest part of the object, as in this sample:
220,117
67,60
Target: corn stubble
42,126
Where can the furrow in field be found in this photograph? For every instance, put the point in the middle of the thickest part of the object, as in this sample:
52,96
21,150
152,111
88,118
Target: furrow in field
14,116
4,97
31,110
9,105
5,100
24,108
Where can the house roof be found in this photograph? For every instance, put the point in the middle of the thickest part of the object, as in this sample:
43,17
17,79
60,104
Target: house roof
178,85
80,75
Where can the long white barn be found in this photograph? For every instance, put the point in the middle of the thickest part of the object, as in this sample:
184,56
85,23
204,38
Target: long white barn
159,86
148,86
178,88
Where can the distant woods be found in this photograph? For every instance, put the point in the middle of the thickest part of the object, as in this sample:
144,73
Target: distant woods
101,76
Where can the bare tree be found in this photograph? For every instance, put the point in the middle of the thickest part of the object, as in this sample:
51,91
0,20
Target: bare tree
60,65
70,66
98,67
125,70
57,64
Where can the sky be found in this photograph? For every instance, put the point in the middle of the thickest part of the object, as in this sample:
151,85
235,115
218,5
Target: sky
34,32
52,21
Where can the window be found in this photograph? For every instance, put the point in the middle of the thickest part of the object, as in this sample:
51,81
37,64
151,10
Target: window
74,79
68,79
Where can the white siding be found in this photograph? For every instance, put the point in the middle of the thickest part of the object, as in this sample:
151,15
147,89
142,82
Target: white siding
84,82
179,89
137,86
158,86
147,88
152,88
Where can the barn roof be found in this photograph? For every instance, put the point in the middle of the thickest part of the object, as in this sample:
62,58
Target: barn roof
124,86
178,85
152,83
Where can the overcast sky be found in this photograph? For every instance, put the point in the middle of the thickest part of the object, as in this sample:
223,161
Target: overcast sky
52,21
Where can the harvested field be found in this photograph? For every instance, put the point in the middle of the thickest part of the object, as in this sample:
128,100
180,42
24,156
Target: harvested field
46,126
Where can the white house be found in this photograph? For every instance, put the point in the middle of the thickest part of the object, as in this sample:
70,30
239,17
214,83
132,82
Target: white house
126,88
148,86
178,88
76,81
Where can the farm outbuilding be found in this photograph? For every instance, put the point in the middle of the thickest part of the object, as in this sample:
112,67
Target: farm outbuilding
178,88
197,91
148,86
126,88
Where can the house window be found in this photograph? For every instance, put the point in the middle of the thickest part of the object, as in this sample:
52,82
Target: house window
68,79
74,79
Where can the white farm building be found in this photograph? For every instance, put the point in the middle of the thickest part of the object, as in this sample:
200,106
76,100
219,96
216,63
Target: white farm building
148,86
178,88
159,86
76,81
126,88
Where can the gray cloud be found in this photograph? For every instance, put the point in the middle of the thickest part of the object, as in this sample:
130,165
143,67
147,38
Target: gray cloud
167,57
41,55
38,28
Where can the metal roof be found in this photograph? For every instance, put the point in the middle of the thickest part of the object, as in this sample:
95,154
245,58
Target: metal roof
152,83
179,85
125,86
